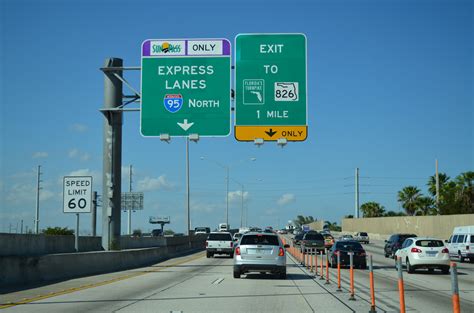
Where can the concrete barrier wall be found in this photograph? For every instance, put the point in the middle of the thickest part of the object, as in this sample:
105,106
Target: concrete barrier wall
31,245
16,270
318,225
440,226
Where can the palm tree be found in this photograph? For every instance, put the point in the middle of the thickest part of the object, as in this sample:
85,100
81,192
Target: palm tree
426,206
465,191
443,180
409,197
372,209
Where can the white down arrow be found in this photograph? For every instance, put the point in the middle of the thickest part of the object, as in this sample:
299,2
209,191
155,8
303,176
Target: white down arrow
185,125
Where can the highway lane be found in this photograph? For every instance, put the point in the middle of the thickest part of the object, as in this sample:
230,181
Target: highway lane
423,291
192,284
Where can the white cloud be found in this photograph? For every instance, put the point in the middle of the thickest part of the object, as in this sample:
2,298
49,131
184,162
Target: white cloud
23,193
76,153
196,206
40,154
271,211
80,128
236,196
150,183
286,199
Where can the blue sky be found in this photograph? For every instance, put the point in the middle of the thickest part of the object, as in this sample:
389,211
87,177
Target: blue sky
390,89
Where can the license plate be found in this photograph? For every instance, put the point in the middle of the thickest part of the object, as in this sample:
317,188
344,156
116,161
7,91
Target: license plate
219,249
431,253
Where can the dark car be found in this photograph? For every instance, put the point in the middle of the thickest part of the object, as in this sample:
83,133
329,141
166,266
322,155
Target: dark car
297,239
312,240
343,247
156,232
394,243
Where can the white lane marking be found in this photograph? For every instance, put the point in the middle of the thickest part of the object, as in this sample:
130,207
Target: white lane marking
218,281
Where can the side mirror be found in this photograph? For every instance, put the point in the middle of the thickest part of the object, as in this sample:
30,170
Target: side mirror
385,240
446,240
286,246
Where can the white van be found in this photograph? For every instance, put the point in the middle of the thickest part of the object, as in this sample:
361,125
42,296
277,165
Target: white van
461,243
223,227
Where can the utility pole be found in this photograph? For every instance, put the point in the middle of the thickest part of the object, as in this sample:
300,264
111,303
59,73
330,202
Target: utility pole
94,213
437,185
242,207
188,220
112,153
21,232
38,187
356,214
227,198
130,209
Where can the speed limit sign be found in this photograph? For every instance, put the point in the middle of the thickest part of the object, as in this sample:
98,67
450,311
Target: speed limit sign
77,194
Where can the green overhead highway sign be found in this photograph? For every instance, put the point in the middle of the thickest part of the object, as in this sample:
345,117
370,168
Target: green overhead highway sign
185,87
270,79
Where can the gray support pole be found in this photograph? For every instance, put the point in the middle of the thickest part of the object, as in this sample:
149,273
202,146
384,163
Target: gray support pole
130,190
21,232
76,241
94,213
188,220
356,213
242,208
112,157
437,185
38,181
227,198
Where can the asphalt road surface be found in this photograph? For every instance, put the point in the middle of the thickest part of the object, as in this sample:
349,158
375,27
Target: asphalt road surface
196,284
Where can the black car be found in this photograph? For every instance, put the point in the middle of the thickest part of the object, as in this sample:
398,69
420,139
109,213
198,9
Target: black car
297,239
343,247
394,243
312,240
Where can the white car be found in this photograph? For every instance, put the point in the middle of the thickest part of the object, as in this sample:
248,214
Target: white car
430,253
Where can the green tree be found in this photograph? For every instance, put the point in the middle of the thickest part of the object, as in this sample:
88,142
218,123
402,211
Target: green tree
61,231
168,232
393,213
426,206
409,197
372,209
333,226
465,192
303,220
443,180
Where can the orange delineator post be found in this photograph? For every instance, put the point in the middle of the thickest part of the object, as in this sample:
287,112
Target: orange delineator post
339,271
351,264
455,288
327,267
322,261
372,290
316,263
311,261
401,289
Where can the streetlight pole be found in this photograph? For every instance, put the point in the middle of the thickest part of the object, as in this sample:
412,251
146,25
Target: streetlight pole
227,198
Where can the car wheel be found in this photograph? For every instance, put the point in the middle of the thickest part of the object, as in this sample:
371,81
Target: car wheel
410,269
236,274
386,255
445,270
363,266
431,270
333,264
231,255
461,259
208,255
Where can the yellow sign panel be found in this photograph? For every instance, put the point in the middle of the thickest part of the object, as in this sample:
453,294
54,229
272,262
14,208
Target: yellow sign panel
271,133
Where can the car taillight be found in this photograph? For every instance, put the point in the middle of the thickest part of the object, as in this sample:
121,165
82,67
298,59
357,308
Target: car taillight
445,250
237,251
282,252
231,244
336,252
415,250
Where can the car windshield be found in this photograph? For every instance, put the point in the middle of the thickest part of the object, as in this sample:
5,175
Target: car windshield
327,236
314,237
348,246
299,237
259,239
429,243
220,237
363,234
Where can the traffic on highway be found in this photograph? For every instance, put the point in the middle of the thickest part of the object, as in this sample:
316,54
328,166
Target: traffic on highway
269,271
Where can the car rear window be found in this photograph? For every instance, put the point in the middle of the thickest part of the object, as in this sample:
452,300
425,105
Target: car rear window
350,245
314,237
327,236
259,240
472,238
219,237
363,234
299,237
402,238
429,243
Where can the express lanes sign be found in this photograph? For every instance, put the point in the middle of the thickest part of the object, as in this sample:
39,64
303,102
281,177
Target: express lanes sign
185,87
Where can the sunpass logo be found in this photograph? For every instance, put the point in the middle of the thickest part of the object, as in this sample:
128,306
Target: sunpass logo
167,48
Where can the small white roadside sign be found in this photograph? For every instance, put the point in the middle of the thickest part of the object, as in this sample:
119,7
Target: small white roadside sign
77,194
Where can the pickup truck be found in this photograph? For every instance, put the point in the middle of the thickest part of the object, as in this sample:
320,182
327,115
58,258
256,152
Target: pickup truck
362,237
219,243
